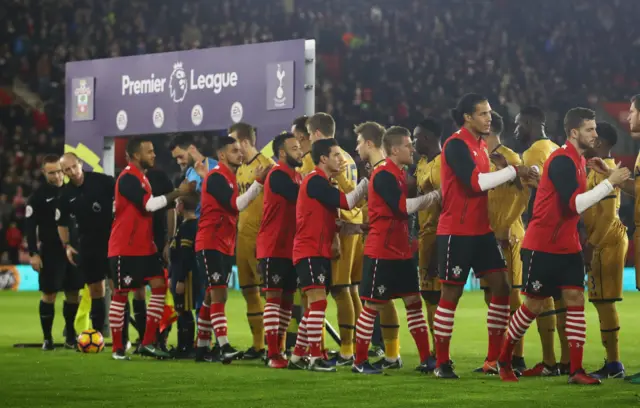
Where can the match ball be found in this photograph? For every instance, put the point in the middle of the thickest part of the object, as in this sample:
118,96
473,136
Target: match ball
90,341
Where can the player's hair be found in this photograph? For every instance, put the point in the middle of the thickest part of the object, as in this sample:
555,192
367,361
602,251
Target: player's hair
636,101
575,117
182,141
300,125
50,158
278,142
321,148
225,141
322,122
371,131
497,123
133,145
244,131
70,154
466,105
393,137
432,125
190,201
534,112
608,133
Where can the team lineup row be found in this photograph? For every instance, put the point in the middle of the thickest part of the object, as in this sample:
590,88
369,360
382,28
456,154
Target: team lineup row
470,204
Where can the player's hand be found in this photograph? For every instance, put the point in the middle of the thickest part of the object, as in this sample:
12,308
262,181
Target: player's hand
619,175
599,166
201,169
180,288
187,187
365,227
165,252
261,172
71,251
36,263
343,166
498,160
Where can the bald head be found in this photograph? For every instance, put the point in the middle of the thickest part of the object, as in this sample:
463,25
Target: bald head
72,167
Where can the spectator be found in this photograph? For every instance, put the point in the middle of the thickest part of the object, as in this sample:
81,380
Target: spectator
14,243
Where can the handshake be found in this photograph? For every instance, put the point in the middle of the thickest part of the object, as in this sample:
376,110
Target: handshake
529,175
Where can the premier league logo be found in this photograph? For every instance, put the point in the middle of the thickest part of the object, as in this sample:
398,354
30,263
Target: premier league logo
178,83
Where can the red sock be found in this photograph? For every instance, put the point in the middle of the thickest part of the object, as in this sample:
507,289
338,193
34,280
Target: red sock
219,322
154,315
315,323
364,331
302,342
285,318
497,322
576,330
204,327
116,319
419,330
443,330
518,325
272,325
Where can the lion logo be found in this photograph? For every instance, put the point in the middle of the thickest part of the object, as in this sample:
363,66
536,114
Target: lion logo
178,83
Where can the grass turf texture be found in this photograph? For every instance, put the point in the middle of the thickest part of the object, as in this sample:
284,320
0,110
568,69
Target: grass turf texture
62,378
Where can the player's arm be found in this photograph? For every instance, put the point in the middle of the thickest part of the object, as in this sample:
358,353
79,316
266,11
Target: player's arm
320,188
562,173
130,188
283,185
606,210
347,179
64,220
628,187
459,158
218,187
33,208
185,246
386,186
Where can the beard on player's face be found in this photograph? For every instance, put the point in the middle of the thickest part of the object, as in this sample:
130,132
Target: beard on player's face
292,161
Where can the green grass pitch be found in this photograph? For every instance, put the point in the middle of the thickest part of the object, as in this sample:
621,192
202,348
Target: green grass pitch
32,378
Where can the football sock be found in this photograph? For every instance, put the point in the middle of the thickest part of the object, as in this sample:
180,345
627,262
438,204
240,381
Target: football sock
154,314
364,330
346,322
609,329
418,328
315,323
255,310
116,319
497,321
186,330
125,324
302,342
431,312
272,325
219,323
357,304
98,311
546,322
390,328
518,326
140,316
204,326
376,339
561,324
47,312
516,301
576,335
286,307
443,329
69,310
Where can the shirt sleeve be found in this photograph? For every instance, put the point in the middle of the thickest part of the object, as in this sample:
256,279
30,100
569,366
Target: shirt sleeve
130,188
65,211
386,186
218,187
186,252
31,221
320,189
192,175
562,172
459,159
282,184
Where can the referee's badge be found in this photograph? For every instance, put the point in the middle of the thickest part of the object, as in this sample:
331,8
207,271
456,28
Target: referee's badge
96,207
29,211
57,214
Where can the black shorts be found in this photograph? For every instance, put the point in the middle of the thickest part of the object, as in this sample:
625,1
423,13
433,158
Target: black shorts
57,274
216,266
547,274
385,279
314,273
94,266
458,254
278,275
133,272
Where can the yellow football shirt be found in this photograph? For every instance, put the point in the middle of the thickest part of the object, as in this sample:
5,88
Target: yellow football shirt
307,164
508,202
250,218
346,182
538,153
602,221
365,206
428,179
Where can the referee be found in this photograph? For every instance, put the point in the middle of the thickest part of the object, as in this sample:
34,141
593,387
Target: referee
88,197
49,260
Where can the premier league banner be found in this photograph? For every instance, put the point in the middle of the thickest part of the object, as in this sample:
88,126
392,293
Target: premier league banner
195,90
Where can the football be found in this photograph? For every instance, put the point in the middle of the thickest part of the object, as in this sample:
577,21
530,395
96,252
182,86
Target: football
90,341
